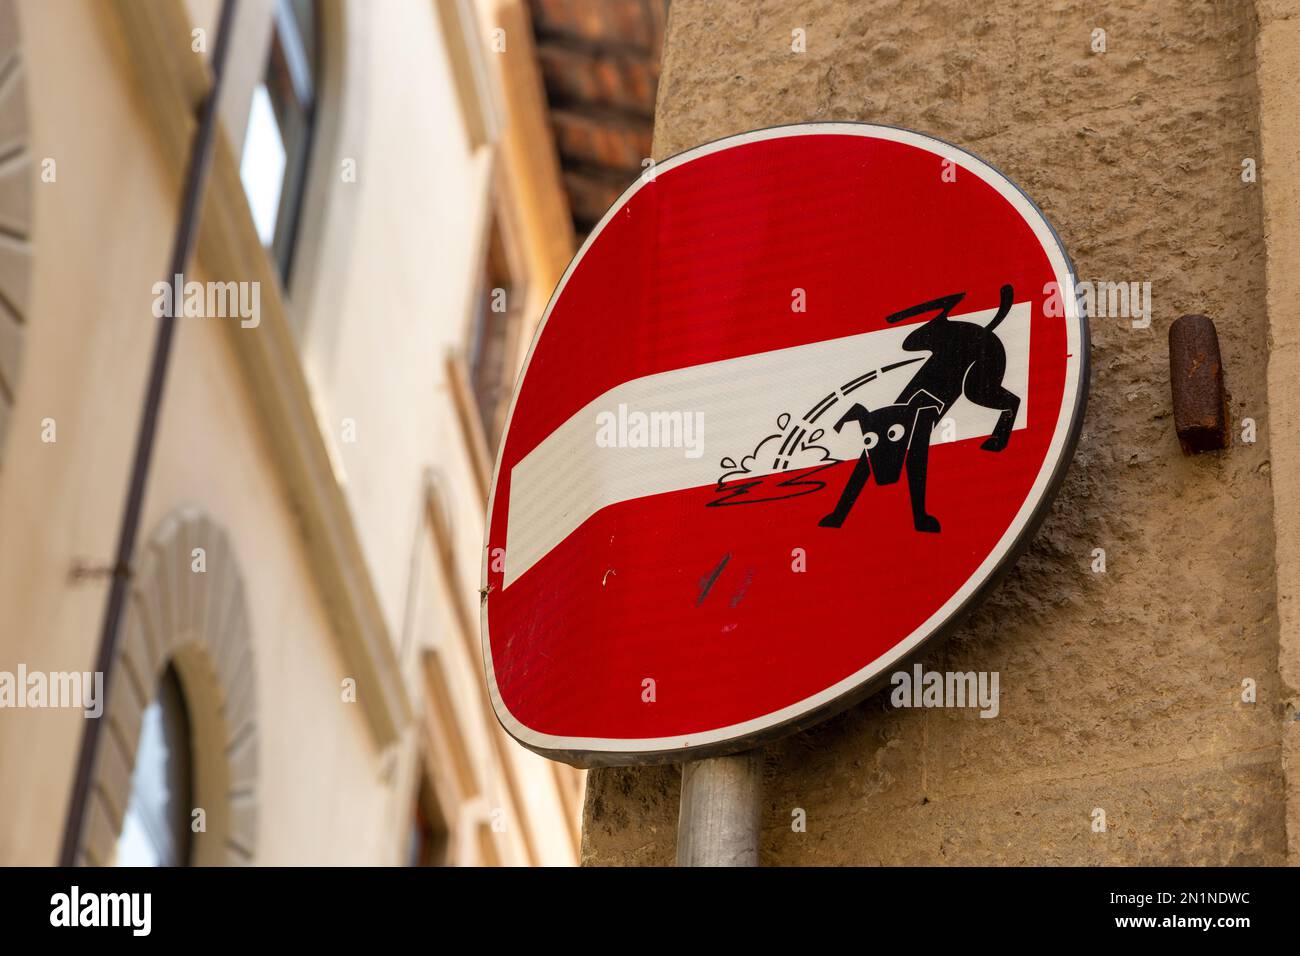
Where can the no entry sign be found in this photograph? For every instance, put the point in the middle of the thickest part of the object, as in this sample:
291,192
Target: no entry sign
797,400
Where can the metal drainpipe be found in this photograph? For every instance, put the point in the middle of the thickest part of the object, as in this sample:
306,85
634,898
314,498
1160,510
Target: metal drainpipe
196,178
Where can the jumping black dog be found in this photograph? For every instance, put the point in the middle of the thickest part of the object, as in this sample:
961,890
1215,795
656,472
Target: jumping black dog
966,359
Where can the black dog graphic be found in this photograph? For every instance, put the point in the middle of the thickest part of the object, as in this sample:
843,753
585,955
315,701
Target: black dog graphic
966,359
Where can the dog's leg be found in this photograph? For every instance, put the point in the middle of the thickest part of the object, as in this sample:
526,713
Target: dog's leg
918,463
983,386
861,472
1010,405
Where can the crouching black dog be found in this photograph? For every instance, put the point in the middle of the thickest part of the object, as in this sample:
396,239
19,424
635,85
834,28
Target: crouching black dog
965,359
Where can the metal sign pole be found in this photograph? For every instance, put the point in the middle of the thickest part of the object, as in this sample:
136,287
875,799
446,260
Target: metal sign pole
720,811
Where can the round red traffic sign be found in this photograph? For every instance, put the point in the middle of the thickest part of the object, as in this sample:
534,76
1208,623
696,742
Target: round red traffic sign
798,399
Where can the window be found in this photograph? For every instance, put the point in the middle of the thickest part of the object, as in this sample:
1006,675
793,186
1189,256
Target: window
492,341
156,827
277,144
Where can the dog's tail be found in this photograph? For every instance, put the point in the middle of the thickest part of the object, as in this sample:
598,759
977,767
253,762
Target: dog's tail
1004,306
943,306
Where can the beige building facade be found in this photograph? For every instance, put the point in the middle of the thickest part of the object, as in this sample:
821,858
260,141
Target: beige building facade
298,677
303,601
1146,643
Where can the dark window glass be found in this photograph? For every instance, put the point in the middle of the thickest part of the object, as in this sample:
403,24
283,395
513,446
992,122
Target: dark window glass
427,840
492,342
277,143
156,827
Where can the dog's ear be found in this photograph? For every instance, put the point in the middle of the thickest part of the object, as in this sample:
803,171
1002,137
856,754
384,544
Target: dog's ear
923,399
857,413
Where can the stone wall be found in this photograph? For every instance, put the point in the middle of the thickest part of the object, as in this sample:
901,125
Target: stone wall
1123,690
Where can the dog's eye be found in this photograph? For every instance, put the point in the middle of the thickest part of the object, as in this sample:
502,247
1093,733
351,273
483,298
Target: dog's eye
870,439
895,432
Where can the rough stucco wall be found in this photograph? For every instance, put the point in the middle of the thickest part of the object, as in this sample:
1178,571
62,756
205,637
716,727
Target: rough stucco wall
1119,690
1278,49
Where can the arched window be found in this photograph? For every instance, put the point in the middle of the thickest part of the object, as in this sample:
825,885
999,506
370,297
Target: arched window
277,144
184,713
156,828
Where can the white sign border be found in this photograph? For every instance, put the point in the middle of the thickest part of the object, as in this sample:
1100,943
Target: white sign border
618,751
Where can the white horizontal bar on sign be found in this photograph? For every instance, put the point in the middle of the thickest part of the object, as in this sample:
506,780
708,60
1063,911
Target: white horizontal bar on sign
732,406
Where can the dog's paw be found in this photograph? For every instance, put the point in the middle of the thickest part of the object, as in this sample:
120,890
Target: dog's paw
994,443
927,523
